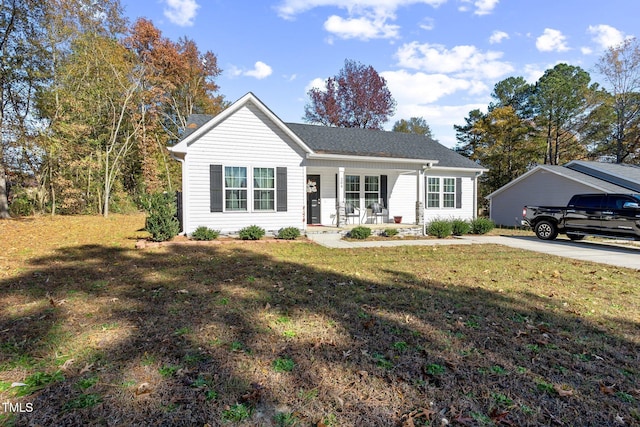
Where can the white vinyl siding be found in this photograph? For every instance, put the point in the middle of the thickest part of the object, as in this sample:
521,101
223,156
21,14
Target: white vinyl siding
250,140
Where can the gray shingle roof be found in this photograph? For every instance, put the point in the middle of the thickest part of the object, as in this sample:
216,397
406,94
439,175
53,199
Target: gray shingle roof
624,175
586,179
194,121
366,142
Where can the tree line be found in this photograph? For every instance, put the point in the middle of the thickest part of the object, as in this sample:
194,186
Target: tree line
88,104
563,116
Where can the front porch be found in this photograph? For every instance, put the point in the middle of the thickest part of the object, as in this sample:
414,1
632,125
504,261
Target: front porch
376,229
371,194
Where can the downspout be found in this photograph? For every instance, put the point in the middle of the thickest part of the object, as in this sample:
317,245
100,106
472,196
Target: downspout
422,200
475,194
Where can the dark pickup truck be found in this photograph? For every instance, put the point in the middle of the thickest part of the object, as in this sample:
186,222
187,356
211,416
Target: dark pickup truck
607,215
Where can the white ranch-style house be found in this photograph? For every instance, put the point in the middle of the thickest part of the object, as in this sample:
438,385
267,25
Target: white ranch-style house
245,167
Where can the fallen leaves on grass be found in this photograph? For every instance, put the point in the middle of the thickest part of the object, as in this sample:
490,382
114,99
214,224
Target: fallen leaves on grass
409,420
563,390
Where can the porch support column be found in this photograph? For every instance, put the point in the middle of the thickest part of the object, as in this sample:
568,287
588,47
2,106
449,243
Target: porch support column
420,197
340,203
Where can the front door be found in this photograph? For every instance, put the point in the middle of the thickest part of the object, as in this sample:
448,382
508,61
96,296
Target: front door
313,199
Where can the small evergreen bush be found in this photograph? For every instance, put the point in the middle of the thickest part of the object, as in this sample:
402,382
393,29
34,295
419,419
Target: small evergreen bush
205,233
21,205
460,227
360,232
440,228
482,225
251,232
161,220
288,233
390,232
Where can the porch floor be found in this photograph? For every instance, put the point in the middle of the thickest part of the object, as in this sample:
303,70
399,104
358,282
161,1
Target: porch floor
320,229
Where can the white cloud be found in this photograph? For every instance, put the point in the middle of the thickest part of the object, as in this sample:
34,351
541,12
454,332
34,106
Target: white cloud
181,12
533,72
317,83
606,36
498,37
288,9
233,71
360,28
422,88
366,19
481,7
485,7
462,61
551,41
427,24
260,71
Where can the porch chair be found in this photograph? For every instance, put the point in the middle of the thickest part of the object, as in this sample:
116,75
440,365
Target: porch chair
375,211
352,211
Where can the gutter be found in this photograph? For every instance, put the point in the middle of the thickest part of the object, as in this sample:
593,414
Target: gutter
346,157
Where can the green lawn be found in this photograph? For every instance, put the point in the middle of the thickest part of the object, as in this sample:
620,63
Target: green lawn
290,333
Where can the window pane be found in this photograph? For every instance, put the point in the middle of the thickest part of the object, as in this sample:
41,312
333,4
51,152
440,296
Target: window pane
434,185
235,177
263,200
353,198
371,183
263,178
449,200
236,200
352,183
433,200
449,185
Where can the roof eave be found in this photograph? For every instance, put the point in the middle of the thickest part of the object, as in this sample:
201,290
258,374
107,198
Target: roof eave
349,157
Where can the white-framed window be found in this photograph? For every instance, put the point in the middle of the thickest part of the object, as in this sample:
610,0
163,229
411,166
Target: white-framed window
264,189
448,192
433,192
371,190
442,193
352,190
235,188
247,188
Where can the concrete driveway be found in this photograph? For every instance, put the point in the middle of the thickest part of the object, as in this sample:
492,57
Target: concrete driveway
603,252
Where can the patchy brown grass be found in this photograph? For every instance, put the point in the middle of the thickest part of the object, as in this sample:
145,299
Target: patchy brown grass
296,334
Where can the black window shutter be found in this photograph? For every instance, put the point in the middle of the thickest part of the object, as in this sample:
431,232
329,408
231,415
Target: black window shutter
383,191
281,185
215,188
458,193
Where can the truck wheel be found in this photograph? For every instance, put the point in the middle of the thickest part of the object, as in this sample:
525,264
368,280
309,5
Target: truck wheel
546,230
575,236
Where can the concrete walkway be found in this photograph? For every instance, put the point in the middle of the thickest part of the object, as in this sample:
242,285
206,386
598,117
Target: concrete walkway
607,252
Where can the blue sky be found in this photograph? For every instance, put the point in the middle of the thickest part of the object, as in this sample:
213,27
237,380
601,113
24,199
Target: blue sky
441,58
